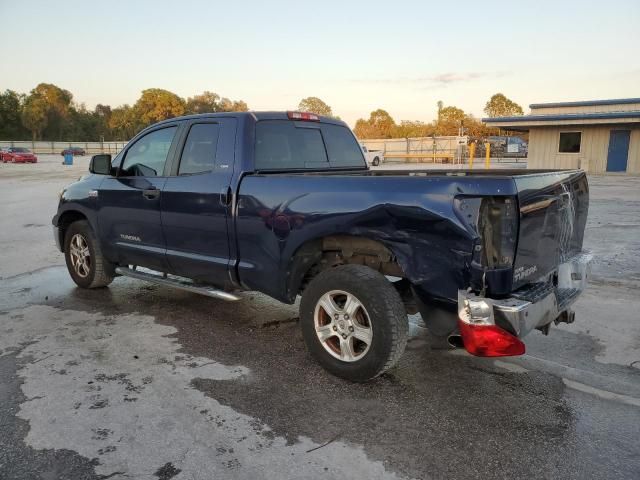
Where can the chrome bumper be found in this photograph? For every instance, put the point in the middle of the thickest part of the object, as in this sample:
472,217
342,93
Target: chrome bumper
534,307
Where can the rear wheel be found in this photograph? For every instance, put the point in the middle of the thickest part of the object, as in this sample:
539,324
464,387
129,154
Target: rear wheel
86,264
353,322
376,162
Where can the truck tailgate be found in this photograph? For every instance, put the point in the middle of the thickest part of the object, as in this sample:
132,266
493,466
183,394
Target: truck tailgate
553,214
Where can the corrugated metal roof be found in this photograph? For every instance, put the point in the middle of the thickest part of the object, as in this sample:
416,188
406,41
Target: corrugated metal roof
586,103
564,116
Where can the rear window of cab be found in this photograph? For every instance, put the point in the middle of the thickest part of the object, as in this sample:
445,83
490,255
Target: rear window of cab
291,145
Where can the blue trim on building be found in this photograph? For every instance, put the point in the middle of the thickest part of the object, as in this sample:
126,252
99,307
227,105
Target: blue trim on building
586,103
566,116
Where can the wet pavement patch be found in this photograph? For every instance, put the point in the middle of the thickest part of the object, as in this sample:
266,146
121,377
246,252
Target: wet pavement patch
18,461
209,370
167,471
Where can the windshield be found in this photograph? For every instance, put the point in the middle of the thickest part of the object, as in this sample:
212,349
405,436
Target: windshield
19,150
288,145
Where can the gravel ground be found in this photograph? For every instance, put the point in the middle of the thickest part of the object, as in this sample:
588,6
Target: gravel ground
140,381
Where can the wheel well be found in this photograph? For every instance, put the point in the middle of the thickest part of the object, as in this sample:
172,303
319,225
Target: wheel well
65,220
332,251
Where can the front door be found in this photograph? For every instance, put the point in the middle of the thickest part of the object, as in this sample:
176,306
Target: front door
618,150
129,214
196,201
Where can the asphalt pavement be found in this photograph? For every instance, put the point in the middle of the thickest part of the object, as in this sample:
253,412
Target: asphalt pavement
141,381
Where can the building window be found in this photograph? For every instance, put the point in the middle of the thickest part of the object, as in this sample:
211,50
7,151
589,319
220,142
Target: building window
569,142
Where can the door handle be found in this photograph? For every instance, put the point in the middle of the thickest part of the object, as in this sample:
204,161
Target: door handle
225,197
151,193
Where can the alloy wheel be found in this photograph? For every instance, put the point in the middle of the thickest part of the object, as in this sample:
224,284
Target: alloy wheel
80,255
343,326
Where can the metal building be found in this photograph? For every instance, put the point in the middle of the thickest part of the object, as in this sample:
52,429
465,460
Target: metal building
599,136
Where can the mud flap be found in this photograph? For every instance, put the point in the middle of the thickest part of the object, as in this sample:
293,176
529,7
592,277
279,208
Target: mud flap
440,318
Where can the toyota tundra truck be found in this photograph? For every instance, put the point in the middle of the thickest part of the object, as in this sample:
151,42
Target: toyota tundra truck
283,203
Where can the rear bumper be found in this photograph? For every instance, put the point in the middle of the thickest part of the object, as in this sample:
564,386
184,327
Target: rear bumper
531,307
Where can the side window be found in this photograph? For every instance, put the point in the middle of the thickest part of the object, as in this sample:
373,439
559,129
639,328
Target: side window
199,153
569,142
146,157
342,146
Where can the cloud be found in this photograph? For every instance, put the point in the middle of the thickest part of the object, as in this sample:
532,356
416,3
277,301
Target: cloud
453,77
434,81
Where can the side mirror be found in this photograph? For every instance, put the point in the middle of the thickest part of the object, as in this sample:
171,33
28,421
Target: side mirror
100,164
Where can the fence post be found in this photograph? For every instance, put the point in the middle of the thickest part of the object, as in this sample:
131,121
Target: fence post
472,154
487,158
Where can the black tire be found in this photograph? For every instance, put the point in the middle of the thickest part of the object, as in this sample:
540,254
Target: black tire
100,272
382,307
376,162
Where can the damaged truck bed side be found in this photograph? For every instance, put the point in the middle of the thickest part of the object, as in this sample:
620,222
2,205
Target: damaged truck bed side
284,204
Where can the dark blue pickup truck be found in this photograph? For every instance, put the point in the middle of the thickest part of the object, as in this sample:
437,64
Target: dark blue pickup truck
283,203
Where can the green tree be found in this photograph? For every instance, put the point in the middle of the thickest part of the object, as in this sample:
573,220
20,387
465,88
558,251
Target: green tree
500,106
412,129
11,127
315,105
227,105
50,102
122,123
449,120
210,102
34,116
206,102
156,104
379,125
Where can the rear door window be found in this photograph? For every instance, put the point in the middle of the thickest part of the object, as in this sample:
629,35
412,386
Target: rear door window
288,145
199,152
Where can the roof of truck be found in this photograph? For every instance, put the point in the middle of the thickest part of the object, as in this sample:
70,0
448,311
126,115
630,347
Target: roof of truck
263,115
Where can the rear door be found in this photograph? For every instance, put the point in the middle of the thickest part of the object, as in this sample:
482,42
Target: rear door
553,215
196,201
129,203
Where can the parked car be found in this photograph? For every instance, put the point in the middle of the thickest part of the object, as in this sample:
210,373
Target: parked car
373,157
284,204
75,151
17,155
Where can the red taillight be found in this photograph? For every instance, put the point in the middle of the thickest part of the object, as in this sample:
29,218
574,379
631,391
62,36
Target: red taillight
489,340
305,116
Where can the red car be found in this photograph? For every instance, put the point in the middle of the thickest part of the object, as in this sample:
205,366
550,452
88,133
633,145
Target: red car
17,155
74,151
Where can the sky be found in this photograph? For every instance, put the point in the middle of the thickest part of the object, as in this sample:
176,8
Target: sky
357,56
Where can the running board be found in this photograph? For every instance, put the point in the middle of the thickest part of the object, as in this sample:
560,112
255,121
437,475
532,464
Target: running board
176,283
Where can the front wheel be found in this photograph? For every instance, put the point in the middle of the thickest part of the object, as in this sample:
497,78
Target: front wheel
376,162
353,322
86,264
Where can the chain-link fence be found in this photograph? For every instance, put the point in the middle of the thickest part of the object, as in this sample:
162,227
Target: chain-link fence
450,149
90,148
